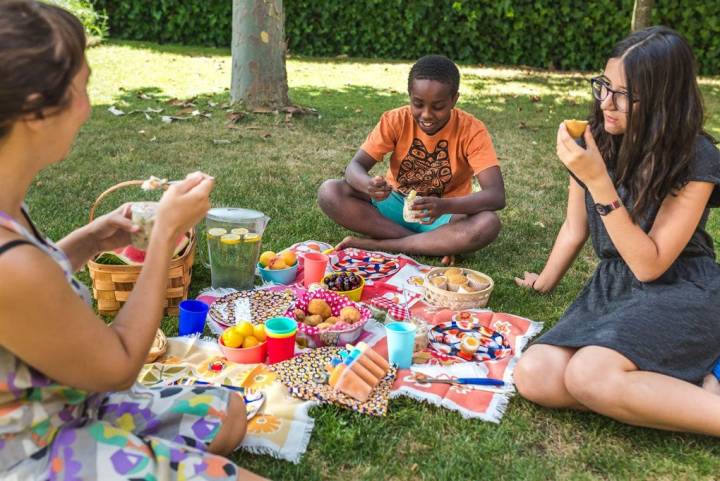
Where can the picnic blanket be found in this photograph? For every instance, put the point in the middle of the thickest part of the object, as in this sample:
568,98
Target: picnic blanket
396,289
306,378
488,404
399,292
281,429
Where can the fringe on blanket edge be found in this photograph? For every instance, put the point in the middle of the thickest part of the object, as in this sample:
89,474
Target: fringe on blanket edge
494,417
533,330
304,442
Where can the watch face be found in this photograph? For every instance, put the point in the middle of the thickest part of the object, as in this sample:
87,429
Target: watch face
601,209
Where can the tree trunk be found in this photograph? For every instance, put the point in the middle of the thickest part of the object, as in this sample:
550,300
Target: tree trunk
259,78
642,13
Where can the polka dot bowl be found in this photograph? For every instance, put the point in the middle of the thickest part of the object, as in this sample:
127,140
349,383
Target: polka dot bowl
337,335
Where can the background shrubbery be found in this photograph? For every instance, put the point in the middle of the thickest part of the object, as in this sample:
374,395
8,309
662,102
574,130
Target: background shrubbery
95,22
563,34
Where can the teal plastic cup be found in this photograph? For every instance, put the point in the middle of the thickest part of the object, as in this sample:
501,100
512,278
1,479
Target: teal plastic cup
280,326
401,343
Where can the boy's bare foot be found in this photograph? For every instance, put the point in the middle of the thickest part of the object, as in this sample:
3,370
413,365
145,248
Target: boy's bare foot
448,260
711,383
358,243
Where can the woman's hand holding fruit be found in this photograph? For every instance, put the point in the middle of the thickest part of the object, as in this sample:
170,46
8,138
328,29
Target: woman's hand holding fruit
586,164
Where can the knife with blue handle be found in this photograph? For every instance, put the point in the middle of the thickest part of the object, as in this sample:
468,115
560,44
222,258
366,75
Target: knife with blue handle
475,381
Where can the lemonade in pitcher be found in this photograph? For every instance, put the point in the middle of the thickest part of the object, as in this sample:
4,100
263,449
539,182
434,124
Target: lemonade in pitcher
234,238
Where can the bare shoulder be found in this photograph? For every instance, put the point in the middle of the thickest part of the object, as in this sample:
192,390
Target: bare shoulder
25,269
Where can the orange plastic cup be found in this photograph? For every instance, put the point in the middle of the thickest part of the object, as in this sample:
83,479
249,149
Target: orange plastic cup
315,265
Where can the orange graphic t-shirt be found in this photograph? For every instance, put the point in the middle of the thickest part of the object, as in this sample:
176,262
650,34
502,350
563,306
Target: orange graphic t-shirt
440,165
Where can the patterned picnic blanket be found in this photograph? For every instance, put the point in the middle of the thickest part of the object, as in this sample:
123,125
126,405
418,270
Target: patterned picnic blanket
281,429
395,287
399,292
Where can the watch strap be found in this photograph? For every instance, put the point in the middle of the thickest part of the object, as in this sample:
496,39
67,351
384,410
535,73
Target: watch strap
605,209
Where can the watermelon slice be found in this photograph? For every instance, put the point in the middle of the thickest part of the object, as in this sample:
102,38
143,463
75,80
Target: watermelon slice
133,256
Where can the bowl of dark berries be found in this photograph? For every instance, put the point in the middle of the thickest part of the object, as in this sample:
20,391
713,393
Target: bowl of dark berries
346,284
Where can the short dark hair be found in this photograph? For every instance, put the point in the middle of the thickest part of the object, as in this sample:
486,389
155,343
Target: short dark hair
42,47
436,67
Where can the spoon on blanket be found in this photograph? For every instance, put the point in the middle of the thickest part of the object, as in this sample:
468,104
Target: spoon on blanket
475,381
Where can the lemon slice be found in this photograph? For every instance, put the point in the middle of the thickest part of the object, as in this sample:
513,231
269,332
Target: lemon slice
230,239
252,237
241,231
216,232
411,196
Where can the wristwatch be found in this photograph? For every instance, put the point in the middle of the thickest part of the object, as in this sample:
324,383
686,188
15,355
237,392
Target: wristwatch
605,209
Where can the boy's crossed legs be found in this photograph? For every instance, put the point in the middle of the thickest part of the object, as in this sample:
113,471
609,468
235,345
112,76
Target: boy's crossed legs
354,211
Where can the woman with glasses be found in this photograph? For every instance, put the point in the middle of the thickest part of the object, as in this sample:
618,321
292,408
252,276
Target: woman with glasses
644,333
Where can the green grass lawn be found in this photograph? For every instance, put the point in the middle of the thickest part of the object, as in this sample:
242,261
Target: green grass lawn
274,165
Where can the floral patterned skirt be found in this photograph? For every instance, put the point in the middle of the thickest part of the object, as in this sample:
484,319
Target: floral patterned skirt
145,433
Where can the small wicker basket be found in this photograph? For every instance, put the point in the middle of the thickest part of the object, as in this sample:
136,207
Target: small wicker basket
457,300
112,284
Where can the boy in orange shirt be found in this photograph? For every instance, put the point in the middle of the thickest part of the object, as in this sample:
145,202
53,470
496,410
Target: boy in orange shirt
436,150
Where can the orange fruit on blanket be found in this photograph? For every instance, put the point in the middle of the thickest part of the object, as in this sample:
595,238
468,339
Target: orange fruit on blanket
289,258
250,341
245,328
267,258
576,128
259,332
313,246
232,337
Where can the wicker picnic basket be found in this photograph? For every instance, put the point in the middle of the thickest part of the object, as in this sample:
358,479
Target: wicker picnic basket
457,300
111,284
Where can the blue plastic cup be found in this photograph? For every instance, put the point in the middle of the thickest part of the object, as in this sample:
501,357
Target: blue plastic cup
192,317
401,343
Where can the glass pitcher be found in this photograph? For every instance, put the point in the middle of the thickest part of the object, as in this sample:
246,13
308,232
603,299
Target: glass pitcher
233,244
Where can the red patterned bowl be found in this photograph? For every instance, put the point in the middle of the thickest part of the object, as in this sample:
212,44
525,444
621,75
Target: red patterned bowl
332,336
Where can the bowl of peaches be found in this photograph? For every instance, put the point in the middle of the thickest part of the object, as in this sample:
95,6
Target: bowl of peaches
326,318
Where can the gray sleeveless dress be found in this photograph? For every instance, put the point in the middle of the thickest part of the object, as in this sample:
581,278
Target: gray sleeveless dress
671,325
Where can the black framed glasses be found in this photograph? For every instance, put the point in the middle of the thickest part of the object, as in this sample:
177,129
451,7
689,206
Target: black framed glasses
601,89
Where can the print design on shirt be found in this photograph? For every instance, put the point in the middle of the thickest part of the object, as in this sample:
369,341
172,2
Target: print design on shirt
425,172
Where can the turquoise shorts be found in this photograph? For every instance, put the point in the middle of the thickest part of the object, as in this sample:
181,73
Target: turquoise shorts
392,208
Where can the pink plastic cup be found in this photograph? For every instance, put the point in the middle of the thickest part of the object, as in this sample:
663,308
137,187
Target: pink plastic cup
315,265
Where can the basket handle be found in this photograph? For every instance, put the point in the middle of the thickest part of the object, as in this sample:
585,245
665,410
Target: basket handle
112,189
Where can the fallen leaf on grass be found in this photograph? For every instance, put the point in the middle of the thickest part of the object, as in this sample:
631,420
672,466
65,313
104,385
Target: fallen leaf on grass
264,110
221,141
539,224
235,117
182,103
535,98
115,111
296,110
265,135
168,119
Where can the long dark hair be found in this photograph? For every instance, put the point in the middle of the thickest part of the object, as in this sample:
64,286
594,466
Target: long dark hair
652,158
42,47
